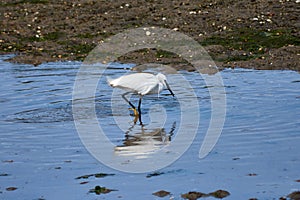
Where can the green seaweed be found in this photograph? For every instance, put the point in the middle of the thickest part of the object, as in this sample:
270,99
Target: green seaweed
164,54
93,35
53,35
97,175
253,40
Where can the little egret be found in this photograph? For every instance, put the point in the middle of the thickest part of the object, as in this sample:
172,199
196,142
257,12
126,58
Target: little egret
141,84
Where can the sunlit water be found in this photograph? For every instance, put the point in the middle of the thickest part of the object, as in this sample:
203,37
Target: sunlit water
41,154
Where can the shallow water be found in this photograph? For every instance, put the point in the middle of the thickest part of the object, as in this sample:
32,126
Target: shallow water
41,153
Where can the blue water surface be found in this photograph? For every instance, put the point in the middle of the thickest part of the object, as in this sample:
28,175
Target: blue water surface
257,155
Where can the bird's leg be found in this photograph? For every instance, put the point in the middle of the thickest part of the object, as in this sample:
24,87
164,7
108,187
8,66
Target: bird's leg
132,106
135,119
135,112
139,109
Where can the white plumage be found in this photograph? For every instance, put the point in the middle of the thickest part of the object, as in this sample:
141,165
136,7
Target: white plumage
141,84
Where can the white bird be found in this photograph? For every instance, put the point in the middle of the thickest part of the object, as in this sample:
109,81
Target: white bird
141,84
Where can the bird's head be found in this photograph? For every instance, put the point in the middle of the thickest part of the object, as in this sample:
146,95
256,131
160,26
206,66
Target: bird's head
163,80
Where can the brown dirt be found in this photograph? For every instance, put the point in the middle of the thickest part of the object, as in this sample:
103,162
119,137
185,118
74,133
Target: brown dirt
47,30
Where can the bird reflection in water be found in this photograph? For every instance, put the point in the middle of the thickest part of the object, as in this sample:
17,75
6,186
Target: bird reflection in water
144,142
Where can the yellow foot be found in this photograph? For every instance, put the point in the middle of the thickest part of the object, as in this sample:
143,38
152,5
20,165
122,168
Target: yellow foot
135,112
135,119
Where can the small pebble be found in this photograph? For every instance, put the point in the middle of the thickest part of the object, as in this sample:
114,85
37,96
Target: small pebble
148,33
11,188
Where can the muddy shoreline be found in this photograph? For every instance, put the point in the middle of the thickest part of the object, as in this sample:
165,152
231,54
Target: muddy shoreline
257,34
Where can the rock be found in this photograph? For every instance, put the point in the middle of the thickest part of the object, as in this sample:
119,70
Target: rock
294,195
193,195
220,194
101,190
161,193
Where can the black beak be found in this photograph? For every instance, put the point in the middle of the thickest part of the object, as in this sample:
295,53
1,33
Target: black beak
168,87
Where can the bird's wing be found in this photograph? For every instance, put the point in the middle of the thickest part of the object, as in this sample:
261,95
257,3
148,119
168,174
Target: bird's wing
141,83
